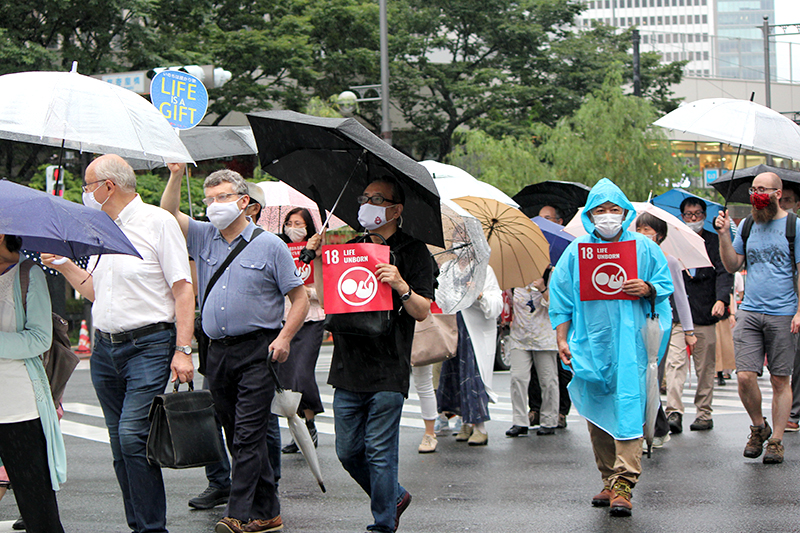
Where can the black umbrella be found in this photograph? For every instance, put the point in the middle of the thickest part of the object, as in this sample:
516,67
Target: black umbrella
743,179
568,196
327,157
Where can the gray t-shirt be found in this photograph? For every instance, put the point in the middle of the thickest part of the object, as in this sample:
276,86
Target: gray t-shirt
249,295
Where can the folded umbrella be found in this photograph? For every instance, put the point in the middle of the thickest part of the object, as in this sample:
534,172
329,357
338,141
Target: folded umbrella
652,338
520,252
332,160
53,225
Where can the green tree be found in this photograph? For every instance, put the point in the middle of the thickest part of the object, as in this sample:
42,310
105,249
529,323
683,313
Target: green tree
611,135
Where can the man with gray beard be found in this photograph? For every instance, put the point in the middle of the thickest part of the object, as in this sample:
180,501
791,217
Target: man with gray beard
769,316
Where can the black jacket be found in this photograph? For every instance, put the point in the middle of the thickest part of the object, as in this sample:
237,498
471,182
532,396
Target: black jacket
708,285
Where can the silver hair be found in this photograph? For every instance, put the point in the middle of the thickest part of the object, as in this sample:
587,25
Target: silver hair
228,176
117,170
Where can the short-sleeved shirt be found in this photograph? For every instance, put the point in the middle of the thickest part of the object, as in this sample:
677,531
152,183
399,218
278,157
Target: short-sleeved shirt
129,292
249,295
530,325
381,364
770,287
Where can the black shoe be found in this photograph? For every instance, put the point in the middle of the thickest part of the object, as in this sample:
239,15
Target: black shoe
562,421
19,525
312,430
675,420
516,431
210,498
720,379
405,501
702,425
546,431
290,448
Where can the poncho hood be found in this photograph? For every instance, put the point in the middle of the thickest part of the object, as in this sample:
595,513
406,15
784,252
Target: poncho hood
606,191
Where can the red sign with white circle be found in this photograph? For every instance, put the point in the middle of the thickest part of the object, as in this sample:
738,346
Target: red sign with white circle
305,271
349,282
604,267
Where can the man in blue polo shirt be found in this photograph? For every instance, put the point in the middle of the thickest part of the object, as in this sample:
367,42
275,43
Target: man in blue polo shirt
242,335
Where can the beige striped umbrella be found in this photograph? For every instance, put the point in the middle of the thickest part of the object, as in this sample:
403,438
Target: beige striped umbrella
520,251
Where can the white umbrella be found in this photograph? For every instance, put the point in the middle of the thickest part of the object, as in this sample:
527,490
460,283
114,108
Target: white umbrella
453,182
81,113
652,337
682,242
738,123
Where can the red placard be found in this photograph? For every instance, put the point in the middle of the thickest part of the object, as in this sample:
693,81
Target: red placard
348,276
305,271
604,267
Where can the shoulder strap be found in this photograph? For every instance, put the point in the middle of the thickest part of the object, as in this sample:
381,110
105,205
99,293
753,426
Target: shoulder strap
791,226
748,223
24,281
228,260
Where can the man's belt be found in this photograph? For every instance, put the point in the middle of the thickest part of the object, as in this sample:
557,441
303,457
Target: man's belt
231,341
133,334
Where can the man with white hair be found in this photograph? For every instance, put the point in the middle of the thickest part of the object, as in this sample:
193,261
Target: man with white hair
143,312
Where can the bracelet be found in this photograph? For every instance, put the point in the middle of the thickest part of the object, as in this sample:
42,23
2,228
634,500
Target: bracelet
689,333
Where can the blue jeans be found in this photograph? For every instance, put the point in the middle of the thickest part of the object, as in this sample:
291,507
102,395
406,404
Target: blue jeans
126,377
367,441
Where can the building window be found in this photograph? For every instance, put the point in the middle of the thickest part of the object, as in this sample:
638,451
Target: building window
630,3
683,19
637,20
691,56
680,3
674,19
669,56
705,18
705,37
652,20
705,55
636,3
674,3
622,22
608,4
669,38
697,19
661,37
660,21
691,38
706,72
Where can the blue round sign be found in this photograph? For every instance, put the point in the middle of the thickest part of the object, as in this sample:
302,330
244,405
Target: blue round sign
181,98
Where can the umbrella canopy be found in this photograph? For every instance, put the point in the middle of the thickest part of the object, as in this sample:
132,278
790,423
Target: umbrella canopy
86,114
671,200
738,123
285,403
743,179
520,252
453,182
210,142
555,235
329,158
53,225
685,245
462,264
280,198
568,196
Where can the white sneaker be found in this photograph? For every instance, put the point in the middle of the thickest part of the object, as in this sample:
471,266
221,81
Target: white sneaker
442,425
658,442
428,444
457,426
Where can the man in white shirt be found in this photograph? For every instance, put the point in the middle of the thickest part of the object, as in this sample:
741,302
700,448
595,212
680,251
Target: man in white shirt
141,309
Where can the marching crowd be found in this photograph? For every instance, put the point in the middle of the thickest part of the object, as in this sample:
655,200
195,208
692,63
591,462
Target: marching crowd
565,348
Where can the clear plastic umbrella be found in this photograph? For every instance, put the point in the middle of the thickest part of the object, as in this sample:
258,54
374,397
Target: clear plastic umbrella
285,403
652,338
462,264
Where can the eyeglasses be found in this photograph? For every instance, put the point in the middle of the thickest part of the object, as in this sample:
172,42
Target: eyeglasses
376,199
760,190
291,224
219,198
692,215
86,187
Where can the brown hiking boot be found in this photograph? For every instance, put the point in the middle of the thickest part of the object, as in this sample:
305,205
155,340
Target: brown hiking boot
603,499
755,443
774,453
621,499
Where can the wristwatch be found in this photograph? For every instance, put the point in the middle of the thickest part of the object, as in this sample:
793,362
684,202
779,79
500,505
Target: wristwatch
184,349
406,296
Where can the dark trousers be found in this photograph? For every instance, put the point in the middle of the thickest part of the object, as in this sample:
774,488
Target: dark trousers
23,450
535,393
242,387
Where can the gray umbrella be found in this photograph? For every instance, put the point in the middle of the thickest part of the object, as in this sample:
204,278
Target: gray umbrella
743,178
210,142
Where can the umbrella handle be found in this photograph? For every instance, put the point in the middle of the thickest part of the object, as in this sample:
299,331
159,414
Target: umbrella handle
271,366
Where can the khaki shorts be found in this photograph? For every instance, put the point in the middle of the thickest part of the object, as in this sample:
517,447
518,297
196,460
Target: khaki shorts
757,334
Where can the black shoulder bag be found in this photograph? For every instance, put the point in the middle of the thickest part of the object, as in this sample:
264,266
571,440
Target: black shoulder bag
366,323
199,334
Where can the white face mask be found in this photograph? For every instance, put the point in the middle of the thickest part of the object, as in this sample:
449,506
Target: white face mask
372,216
608,225
222,214
294,234
90,201
696,226
653,237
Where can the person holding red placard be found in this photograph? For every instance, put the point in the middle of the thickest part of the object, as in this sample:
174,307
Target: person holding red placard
371,375
602,341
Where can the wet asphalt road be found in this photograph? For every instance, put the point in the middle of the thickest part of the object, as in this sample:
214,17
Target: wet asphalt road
697,482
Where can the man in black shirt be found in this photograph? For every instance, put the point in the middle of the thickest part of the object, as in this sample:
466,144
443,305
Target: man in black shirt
371,374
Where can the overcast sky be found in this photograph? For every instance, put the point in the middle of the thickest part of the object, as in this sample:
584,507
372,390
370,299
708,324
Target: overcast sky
788,12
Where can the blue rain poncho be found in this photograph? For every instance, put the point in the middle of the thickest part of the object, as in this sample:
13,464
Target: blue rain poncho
609,358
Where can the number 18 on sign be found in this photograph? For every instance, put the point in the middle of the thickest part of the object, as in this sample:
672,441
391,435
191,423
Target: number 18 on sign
604,267
349,282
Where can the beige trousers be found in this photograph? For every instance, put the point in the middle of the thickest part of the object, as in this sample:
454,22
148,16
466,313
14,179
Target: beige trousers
705,356
616,459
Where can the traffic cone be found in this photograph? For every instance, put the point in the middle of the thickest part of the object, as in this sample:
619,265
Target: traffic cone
84,344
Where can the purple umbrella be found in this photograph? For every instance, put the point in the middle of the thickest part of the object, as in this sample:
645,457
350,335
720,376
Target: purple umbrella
555,235
50,224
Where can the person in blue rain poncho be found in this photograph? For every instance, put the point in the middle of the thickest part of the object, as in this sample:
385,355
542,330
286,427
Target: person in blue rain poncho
602,342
